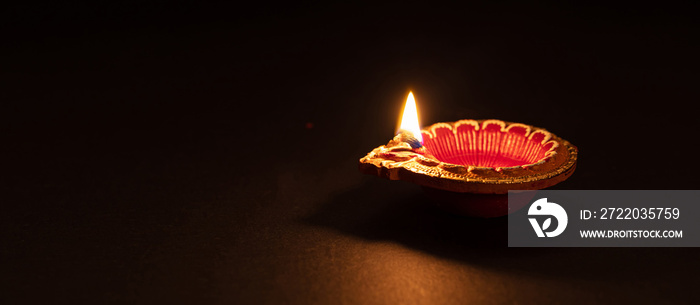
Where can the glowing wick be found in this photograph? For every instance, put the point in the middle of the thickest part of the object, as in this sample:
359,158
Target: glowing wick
410,129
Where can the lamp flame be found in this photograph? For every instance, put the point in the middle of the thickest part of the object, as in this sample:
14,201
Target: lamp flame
409,118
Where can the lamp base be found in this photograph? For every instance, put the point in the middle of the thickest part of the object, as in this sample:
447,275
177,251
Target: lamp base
477,205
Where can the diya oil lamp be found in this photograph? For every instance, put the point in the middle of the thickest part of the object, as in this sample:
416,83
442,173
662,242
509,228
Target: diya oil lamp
468,166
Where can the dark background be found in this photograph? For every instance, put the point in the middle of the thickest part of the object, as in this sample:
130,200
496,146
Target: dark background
176,152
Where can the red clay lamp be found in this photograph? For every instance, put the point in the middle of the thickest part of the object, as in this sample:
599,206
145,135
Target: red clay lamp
468,166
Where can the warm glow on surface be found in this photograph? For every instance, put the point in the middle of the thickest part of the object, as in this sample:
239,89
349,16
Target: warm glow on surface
409,119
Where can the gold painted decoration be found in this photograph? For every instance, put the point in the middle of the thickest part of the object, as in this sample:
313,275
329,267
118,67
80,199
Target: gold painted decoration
475,156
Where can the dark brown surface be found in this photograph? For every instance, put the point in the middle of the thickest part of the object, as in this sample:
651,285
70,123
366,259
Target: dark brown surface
174,154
